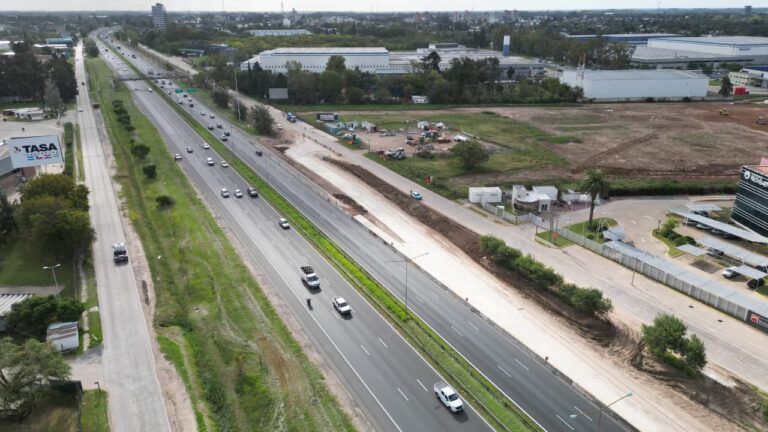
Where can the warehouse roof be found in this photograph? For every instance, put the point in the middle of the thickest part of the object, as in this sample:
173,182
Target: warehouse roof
653,53
724,227
8,300
720,40
328,50
640,74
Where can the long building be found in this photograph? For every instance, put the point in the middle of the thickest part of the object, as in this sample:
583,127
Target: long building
714,50
637,84
627,38
380,61
751,207
753,76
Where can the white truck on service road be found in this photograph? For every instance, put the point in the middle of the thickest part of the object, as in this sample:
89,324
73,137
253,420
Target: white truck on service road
448,396
309,277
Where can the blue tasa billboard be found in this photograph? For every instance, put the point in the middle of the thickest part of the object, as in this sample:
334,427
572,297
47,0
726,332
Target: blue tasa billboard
34,151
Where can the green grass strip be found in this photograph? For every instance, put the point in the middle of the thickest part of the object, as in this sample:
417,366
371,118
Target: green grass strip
93,414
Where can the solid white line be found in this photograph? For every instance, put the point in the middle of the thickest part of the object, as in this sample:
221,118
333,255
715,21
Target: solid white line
564,422
473,326
521,364
422,385
454,329
505,372
404,396
583,414
382,342
366,351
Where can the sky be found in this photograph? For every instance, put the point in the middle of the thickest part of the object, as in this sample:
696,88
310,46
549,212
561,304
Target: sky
360,5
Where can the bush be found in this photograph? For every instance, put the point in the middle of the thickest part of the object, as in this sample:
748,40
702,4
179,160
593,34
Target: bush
590,301
666,340
165,202
140,151
150,171
765,410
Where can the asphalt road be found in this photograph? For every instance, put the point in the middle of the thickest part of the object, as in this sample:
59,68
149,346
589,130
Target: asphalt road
388,379
135,400
522,377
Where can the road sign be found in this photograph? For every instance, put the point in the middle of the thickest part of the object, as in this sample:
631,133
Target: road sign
191,90
179,90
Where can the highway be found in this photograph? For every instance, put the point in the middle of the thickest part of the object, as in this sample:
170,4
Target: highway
388,379
135,399
522,377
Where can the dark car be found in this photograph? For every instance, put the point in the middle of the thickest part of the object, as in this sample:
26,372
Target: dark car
189,149
258,153
226,133
756,283
252,192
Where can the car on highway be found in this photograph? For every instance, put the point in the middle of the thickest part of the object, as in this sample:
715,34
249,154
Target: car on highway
202,113
283,224
224,164
177,157
417,196
189,149
730,272
226,133
252,192
218,126
213,116
258,153
223,137
448,396
210,127
206,146
341,306
225,192
210,161
238,193
149,90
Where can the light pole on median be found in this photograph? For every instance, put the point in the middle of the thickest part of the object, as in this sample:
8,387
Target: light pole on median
600,418
53,270
406,261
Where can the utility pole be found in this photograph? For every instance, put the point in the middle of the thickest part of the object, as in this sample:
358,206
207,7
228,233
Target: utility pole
406,261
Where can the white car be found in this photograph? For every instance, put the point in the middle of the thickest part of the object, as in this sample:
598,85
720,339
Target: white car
225,192
206,146
448,396
284,224
238,193
341,306
224,164
210,161
730,272
79,110
279,126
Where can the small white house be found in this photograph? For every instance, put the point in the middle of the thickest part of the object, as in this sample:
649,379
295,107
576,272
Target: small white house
530,201
484,194
419,99
63,336
572,197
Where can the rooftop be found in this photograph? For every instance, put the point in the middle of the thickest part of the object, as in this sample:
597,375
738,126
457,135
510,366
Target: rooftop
721,40
328,50
8,300
640,74
653,53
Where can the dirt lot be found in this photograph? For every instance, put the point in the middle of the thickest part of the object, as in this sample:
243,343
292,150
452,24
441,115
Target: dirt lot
654,140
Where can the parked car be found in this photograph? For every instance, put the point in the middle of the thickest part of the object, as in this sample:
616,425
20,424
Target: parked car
341,306
225,192
713,251
703,227
729,236
415,195
730,272
283,224
252,192
279,126
210,127
756,283
716,231
258,153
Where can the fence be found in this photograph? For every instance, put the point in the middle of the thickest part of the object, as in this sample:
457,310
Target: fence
701,288
507,216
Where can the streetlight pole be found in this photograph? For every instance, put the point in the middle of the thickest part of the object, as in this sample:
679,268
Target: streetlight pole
406,261
53,270
600,417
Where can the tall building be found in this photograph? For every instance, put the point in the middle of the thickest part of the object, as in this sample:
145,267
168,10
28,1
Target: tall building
747,10
751,206
159,18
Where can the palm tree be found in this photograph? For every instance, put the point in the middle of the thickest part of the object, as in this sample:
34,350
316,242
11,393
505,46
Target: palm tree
595,185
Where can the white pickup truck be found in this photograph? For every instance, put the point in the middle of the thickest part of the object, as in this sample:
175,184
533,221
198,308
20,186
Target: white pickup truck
309,277
448,396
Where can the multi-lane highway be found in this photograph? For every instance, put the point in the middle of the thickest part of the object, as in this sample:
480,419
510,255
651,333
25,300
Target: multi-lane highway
524,378
135,399
388,379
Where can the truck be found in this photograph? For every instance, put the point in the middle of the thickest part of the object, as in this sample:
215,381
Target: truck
448,396
291,117
120,253
309,277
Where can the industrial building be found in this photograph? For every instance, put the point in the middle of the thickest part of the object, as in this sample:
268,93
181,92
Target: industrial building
714,50
63,336
380,61
635,84
753,76
159,17
627,38
279,32
751,207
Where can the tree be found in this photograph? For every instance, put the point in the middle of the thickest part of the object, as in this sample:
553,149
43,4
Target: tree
31,317
140,151
7,219
63,75
726,88
695,354
666,333
262,120
56,185
165,202
596,186
221,97
91,49
336,63
25,373
591,301
355,95
70,231
471,154
330,86
53,97
431,62
150,171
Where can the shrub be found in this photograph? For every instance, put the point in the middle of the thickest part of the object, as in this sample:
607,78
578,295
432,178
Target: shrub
150,171
165,202
590,301
140,151
666,340
765,410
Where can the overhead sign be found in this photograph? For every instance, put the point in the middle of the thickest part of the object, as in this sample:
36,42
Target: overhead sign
179,90
191,90
34,151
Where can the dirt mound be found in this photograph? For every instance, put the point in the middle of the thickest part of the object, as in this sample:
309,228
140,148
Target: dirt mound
350,203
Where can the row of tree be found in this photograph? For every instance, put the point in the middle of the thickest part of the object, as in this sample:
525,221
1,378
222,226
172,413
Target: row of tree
24,76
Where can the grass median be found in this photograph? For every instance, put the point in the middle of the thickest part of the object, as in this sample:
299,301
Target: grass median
248,371
491,402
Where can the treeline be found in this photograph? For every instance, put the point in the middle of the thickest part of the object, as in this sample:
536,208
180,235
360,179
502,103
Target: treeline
466,81
24,76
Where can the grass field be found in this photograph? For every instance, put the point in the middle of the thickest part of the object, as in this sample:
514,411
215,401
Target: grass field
582,228
21,263
55,413
252,374
94,411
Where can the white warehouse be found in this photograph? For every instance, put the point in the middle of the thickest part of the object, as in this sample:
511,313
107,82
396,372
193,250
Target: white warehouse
315,59
715,45
637,84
